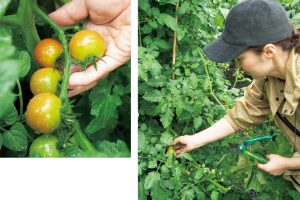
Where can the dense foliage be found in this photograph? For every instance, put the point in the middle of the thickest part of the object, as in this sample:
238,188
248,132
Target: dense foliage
94,124
181,92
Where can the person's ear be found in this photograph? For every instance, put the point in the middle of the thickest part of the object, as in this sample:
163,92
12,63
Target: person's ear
269,50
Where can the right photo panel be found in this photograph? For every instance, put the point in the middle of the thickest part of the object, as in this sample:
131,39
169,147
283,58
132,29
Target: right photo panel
218,91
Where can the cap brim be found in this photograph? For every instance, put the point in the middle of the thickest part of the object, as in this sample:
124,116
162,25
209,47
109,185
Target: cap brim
221,51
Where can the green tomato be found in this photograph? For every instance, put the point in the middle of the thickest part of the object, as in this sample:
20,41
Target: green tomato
43,113
45,147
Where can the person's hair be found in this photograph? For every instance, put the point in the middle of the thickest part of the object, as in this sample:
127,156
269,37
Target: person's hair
286,44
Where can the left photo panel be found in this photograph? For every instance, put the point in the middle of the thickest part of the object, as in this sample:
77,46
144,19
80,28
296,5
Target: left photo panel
65,79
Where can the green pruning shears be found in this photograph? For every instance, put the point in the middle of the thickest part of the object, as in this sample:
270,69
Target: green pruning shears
243,148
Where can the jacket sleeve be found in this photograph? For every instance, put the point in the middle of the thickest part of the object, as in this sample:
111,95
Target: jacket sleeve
251,109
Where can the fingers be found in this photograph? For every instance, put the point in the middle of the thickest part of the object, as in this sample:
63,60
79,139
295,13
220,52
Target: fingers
70,13
91,74
80,89
177,140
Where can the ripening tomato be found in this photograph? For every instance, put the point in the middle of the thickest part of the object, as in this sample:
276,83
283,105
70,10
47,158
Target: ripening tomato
44,80
47,51
170,149
43,113
45,147
86,43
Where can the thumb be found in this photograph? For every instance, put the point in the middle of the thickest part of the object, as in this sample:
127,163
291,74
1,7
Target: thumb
70,13
91,74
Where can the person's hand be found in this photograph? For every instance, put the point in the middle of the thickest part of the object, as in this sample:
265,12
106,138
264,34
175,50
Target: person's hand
111,18
276,165
183,144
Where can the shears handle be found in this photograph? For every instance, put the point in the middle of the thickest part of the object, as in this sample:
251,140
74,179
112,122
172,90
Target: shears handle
256,157
251,141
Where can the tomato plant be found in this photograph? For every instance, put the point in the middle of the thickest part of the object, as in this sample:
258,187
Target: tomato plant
47,51
44,80
180,93
35,56
86,43
45,146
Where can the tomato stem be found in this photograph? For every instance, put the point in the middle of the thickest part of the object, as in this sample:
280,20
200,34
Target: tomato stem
10,19
83,141
81,138
63,93
20,100
209,81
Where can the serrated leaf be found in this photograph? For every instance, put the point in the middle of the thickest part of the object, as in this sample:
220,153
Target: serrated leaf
153,96
184,7
24,59
151,179
152,164
160,193
166,138
168,20
113,149
188,195
167,117
104,107
16,138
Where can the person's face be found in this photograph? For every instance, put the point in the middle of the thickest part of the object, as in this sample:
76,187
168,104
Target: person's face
257,65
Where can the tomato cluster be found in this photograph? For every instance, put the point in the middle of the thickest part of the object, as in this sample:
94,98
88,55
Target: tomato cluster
43,111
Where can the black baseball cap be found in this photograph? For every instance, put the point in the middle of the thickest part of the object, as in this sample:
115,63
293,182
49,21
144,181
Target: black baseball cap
250,23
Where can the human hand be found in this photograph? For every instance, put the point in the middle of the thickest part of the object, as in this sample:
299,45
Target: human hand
111,18
276,165
183,144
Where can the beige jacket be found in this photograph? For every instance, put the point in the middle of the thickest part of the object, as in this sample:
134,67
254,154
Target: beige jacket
272,96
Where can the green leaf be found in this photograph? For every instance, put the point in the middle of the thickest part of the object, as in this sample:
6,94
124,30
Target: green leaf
6,47
142,194
184,7
167,117
8,78
113,149
151,179
214,195
141,141
197,122
160,193
153,96
24,59
3,6
1,141
104,107
11,115
166,138
168,20
189,195
152,164
161,43
16,138
187,156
